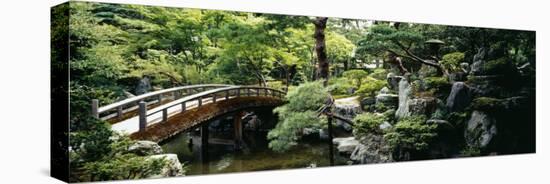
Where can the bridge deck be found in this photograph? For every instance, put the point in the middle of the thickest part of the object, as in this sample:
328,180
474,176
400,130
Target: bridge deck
193,117
131,125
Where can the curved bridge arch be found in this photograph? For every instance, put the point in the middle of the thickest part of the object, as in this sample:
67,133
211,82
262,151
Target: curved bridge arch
166,120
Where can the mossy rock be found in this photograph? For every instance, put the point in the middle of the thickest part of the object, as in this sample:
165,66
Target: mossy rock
487,103
436,82
438,86
495,66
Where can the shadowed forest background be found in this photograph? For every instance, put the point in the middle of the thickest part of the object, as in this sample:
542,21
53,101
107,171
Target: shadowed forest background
411,91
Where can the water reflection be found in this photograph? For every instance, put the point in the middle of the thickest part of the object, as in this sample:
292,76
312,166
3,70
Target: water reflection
255,155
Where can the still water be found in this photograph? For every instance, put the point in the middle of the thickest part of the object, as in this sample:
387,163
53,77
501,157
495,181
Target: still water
256,156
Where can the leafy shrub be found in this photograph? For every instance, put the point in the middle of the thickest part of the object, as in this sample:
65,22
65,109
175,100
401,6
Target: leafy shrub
390,115
370,87
118,164
340,86
357,76
367,123
412,132
276,85
498,66
436,82
452,61
437,86
298,114
486,103
470,151
379,74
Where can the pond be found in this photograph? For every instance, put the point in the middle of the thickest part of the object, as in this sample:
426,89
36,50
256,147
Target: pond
256,156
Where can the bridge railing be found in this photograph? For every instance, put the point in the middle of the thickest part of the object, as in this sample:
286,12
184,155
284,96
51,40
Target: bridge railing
117,109
206,96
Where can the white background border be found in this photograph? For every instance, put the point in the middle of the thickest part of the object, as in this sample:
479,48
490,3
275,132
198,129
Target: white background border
24,80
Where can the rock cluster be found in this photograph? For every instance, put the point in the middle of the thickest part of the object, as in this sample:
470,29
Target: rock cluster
152,150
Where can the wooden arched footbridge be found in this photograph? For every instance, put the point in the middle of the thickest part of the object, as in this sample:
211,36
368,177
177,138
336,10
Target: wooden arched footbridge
161,114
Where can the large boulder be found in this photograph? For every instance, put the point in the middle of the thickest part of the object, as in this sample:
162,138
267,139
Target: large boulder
384,97
481,130
427,71
458,77
459,98
347,108
423,106
478,62
172,168
486,85
144,148
345,145
465,67
368,101
143,86
404,98
385,126
372,149
447,141
393,81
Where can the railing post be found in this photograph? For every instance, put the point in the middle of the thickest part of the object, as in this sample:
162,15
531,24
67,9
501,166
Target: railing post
238,92
248,91
142,116
164,115
159,97
265,91
214,98
227,95
119,111
200,102
176,95
257,91
183,108
95,107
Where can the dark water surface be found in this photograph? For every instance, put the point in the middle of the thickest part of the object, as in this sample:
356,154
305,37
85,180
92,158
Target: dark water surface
310,152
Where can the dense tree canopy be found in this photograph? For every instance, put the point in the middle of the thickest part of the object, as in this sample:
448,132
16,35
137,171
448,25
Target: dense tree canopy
114,48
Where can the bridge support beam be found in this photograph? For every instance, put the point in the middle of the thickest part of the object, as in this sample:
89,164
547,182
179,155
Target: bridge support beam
142,116
330,143
238,129
95,107
204,143
120,111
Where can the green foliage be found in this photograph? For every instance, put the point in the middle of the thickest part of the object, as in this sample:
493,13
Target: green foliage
368,123
370,87
340,86
437,85
116,163
379,74
113,46
486,103
498,66
357,76
383,37
276,85
452,61
339,48
412,133
298,114
390,115
470,151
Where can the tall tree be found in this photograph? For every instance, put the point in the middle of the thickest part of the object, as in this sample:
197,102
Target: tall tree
320,48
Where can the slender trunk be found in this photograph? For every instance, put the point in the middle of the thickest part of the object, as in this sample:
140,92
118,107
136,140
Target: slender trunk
323,70
320,48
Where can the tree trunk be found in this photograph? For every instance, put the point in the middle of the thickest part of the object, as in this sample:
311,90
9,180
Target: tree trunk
320,48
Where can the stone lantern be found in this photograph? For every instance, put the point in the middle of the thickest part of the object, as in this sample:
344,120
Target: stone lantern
434,45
